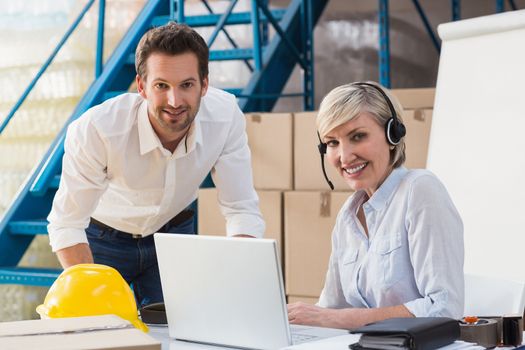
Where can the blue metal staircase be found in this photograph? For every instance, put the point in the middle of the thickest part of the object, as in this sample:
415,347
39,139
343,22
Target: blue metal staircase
271,62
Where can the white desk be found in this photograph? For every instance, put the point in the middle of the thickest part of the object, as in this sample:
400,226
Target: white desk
161,333
336,343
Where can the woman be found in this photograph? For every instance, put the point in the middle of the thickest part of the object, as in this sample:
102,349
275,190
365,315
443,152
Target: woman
397,245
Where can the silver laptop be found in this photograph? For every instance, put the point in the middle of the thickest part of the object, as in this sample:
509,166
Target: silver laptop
227,291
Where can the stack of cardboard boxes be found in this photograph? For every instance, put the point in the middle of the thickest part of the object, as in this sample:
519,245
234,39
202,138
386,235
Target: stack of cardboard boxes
297,205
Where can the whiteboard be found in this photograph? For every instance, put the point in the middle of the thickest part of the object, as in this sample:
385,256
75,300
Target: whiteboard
477,141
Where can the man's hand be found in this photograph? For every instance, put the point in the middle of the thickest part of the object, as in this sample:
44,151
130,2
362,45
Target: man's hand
77,254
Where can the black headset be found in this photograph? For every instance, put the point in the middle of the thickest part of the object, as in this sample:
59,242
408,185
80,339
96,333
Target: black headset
394,129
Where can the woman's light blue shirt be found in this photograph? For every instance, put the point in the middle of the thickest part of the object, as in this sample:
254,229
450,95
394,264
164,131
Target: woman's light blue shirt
413,254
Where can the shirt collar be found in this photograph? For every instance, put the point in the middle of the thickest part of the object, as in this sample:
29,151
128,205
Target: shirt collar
195,133
190,141
149,140
380,197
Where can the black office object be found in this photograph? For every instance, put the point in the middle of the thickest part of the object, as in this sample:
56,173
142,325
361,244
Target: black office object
154,314
421,333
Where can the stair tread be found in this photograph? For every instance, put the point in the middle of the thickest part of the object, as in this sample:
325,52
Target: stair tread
28,227
30,276
220,55
29,222
26,270
212,19
231,54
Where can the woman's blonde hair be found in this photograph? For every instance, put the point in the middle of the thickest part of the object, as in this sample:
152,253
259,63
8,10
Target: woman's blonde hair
346,102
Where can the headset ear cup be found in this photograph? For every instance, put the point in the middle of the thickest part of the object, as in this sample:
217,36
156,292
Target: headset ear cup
322,148
401,131
394,131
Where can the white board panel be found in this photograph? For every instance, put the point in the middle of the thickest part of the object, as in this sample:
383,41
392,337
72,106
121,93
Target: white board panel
477,142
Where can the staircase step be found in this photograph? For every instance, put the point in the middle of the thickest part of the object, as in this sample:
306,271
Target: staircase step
28,227
215,55
211,20
29,276
232,54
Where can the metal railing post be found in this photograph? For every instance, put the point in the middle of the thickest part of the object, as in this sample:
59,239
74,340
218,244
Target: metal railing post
257,54
308,56
99,58
180,11
456,10
384,44
500,6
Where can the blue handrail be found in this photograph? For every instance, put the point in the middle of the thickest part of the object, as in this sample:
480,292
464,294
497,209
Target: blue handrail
46,64
99,58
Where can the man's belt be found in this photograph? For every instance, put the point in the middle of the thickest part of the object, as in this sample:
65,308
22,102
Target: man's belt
178,219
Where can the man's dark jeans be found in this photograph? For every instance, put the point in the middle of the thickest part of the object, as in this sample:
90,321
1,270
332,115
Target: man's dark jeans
135,259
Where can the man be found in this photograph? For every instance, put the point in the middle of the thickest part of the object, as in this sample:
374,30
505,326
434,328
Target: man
134,163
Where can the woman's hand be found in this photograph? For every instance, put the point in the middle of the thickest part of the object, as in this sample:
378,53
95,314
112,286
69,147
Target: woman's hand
349,318
311,315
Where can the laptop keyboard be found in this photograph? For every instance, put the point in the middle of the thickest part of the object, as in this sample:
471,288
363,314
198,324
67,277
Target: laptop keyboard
298,338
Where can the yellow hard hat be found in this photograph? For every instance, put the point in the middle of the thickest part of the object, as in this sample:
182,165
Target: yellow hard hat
89,290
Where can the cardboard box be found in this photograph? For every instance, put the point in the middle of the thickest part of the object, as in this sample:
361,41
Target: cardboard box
270,141
307,300
211,221
418,123
92,332
307,162
415,98
309,218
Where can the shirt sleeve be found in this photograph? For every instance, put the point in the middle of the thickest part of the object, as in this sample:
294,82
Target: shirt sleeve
82,183
232,175
435,238
332,295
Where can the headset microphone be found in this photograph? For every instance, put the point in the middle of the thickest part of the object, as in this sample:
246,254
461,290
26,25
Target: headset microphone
322,152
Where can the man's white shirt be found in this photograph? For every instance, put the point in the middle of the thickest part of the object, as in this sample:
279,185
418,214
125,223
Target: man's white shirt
116,170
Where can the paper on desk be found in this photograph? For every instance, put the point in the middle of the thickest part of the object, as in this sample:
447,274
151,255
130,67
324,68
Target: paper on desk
462,345
341,343
335,343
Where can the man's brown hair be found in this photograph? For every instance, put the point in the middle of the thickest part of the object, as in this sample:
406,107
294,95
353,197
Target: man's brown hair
172,39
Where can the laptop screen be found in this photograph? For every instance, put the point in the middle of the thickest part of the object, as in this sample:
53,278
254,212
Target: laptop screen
221,290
